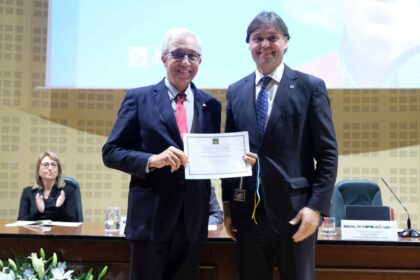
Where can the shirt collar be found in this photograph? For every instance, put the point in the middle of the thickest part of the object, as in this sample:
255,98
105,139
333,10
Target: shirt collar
276,75
173,91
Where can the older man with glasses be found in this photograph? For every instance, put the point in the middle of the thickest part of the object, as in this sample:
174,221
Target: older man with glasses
167,215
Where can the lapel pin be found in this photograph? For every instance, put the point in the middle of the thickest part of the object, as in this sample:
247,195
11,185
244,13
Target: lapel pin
292,88
204,105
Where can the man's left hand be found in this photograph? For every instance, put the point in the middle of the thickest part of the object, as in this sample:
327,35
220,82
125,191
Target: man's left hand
309,221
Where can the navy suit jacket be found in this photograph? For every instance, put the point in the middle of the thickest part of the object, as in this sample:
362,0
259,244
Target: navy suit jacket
146,125
297,155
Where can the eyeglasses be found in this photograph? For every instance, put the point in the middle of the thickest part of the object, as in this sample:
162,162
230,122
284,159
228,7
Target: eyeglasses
180,55
259,39
48,164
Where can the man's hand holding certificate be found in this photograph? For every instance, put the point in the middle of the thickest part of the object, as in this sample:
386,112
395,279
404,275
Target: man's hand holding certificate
217,155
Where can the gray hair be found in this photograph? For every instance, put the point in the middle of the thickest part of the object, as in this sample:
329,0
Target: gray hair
173,33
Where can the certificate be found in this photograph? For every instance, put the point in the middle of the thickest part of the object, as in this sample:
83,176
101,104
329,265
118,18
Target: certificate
216,155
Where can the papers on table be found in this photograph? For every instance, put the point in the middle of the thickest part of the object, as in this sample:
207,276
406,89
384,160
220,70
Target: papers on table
38,229
43,223
66,224
218,155
29,223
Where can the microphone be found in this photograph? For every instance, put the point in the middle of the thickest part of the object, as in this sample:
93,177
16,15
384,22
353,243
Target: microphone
408,232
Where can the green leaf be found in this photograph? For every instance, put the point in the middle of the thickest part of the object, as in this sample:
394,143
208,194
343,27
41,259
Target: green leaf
89,272
12,265
103,272
42,254
55,260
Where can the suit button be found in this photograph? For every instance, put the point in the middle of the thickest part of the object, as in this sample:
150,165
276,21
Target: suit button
182,182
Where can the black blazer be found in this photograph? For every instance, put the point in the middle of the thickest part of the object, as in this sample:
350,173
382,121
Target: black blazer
65,213
299,132
146,125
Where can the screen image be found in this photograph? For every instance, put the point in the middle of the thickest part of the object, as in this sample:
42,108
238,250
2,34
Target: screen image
116,44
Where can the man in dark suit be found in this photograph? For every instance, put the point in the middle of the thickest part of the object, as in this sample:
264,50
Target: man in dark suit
294,175
167,215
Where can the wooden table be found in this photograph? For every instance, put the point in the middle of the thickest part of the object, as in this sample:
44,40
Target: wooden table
88,246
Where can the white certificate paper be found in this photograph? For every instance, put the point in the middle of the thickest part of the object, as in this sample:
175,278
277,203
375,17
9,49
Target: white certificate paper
216,155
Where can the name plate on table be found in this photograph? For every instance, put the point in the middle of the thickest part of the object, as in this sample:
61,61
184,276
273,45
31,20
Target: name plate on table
369,230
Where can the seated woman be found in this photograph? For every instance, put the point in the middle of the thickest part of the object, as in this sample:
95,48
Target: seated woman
48,198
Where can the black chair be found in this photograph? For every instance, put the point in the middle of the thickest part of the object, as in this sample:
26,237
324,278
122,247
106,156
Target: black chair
71,182
353,192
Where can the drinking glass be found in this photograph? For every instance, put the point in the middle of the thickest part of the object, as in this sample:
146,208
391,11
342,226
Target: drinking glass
328,226
112,219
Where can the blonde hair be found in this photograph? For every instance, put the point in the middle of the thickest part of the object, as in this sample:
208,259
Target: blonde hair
58,181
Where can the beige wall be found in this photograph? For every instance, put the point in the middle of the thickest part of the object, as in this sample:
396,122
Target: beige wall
378,131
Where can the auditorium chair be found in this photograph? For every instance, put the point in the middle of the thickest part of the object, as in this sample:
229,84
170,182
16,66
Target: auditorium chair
354,192
71,182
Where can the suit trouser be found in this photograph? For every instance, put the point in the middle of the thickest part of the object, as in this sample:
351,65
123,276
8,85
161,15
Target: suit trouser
260,248
173,259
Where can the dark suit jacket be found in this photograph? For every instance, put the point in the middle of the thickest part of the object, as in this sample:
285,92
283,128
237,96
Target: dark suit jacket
65,213
299,132
146,125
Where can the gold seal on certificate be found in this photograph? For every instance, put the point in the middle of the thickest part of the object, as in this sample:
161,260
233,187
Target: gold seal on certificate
216,155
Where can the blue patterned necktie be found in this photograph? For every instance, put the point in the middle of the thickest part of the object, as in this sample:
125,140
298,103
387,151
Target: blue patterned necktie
262,106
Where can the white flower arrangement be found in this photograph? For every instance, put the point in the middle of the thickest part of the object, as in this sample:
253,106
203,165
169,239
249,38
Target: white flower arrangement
40,268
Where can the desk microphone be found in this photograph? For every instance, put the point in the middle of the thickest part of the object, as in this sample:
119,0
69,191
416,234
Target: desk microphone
408,232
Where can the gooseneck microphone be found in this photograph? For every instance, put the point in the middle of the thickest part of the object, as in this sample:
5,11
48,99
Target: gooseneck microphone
408,232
